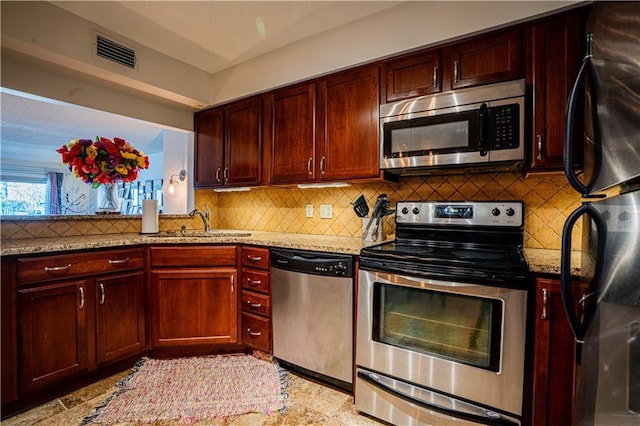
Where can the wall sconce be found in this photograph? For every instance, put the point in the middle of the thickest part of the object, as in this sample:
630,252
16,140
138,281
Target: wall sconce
176,179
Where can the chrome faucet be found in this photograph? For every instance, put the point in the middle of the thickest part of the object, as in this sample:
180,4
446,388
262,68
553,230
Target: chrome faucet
206,217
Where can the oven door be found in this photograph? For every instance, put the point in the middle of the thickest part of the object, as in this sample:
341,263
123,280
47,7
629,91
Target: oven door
463,340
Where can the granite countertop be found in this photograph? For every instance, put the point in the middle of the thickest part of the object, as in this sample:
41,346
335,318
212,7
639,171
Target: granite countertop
544,261
345,245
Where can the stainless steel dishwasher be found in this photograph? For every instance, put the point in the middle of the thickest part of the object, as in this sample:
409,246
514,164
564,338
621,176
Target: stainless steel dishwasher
312,314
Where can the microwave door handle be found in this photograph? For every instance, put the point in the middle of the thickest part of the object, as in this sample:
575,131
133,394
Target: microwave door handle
474,413
483,142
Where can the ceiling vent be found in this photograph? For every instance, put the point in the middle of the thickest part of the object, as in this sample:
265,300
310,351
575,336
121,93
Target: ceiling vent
115,52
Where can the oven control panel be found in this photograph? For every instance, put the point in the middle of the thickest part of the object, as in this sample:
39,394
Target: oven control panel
471,213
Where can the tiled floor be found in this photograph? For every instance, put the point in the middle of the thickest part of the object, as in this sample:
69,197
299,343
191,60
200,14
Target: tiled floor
309,403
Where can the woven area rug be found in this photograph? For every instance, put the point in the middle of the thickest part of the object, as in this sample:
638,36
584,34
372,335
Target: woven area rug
189,390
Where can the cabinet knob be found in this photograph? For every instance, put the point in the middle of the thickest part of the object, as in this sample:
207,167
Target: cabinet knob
539,139
57,268
81,290
254,333
254,283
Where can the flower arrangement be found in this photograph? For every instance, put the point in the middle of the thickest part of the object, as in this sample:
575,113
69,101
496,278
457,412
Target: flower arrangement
103,161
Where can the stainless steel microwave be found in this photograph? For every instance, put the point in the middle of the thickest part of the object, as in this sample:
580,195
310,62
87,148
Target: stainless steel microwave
469,128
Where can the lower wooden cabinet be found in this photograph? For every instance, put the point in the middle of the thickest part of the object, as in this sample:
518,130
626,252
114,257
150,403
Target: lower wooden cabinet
120,316
53,331
71,325
256,298
193,295
554,357
193,307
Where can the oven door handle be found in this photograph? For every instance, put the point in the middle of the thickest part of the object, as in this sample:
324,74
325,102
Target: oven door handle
473,412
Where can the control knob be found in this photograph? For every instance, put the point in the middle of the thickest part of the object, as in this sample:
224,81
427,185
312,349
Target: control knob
416,210
495,211
405,210
510,212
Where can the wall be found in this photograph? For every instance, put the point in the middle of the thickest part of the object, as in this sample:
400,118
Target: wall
548,201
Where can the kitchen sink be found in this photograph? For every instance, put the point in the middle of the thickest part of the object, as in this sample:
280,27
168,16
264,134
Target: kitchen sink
200,234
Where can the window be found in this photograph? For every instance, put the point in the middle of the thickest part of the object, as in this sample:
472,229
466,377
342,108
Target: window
24,198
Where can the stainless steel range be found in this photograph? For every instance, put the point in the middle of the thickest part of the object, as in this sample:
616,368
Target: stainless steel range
442,316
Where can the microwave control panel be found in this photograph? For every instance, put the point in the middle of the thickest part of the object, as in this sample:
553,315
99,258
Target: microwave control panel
504,126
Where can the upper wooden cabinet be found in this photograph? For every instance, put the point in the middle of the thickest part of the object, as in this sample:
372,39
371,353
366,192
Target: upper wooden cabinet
325,130
228,145
487,59
415,75
289,128
553,55
347,125
484,59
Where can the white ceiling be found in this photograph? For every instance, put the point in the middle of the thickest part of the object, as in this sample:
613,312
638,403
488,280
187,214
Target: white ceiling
209,35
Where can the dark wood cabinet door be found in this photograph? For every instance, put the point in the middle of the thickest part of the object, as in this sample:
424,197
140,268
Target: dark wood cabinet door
120,320
53,332
243,153
347,129
193,306
487,59
552,68
291,134
209,148
417,75
554,357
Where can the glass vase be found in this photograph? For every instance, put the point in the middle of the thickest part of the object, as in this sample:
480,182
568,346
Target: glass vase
108,201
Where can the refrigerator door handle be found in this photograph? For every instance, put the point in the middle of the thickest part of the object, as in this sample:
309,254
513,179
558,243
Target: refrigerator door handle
569,139
579,327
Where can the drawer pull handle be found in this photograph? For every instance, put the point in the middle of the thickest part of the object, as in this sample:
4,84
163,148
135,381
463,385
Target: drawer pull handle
101,294
254,333
81,297
545,300
254,283
57,268
254,305
456,65
119,261
254,258
309,166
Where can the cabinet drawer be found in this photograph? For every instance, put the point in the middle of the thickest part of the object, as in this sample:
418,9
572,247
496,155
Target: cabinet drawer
256,280
255,257
162,256
46,268
259,304
256,332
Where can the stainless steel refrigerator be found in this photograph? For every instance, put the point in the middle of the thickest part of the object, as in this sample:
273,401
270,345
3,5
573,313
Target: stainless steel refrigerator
605,318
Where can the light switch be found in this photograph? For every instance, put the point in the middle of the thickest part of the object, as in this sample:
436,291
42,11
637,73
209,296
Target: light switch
308,211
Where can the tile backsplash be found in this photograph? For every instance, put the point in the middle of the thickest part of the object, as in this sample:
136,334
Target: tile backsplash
548,200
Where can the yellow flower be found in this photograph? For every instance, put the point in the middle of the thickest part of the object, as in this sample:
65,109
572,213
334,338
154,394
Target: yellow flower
91,152
128,155
141,162
120,168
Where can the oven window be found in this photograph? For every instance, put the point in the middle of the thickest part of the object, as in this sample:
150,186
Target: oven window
460,328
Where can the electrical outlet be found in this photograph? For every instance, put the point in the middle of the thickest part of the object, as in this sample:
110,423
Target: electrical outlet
308,211
326,211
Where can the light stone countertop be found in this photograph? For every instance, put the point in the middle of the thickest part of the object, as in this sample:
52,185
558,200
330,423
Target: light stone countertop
345,245
545,261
